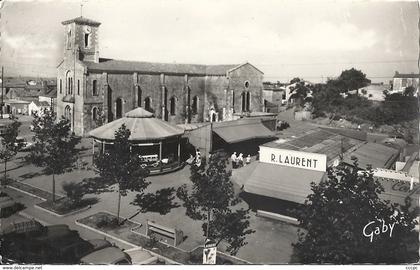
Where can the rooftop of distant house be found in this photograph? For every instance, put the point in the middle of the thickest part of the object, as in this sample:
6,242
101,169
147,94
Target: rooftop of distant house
269,86
406,75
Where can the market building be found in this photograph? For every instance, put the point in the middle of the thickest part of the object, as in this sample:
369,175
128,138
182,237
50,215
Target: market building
287,167
175,93
156,141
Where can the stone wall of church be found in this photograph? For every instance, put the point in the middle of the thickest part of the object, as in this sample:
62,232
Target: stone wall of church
197,86
237,80
151,87
215,96
75,70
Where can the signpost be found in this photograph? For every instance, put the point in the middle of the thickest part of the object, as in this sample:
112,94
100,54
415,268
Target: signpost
209,252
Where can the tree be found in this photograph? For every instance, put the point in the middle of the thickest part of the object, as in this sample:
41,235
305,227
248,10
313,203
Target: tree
351,79
54,145
120,166
300,92
74,192
399,108
100,118
211,200
409,91
334,219
10,145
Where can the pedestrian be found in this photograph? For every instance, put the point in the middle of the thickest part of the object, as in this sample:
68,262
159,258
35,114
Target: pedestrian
233,158
248,159
241,160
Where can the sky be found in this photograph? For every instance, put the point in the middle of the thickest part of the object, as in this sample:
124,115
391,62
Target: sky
313,40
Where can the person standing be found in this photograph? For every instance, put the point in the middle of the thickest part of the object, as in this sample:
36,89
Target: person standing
248,159
241,160
234,159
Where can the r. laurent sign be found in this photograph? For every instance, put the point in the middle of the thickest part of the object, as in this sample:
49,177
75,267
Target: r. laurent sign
291,158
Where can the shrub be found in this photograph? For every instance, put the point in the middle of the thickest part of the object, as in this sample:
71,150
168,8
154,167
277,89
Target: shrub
107,222
74,191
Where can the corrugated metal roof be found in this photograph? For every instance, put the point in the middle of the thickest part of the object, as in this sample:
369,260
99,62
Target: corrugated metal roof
331,142
242,130
375,154
158,68
282,182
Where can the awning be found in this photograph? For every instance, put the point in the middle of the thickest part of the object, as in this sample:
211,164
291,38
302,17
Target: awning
282,182
242,132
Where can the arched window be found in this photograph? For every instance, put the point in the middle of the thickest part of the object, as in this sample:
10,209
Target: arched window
68,82
172,103
148,104
119,108
138,96
248,101
71,86
61,86
233,99
165,103
67,112
243,99
69,39
109,105
86,40
94,88
94,114
78,87
195,105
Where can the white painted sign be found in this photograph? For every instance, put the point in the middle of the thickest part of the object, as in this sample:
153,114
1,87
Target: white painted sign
291,158
209,252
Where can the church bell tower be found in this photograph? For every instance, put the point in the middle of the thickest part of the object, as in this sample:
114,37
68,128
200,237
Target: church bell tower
81,39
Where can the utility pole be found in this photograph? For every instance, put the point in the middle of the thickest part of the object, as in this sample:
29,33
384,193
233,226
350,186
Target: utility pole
2,81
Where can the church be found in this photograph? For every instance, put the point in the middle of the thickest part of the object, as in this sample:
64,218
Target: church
93,90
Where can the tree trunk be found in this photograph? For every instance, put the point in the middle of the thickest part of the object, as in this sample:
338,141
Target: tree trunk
5,173
208,223
53,188
119,206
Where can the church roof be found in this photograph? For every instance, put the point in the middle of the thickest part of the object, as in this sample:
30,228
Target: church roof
143,127
158,68
82,20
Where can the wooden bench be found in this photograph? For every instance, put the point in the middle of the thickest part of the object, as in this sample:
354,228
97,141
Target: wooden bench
176,235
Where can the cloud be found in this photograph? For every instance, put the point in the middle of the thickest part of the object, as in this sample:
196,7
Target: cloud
27,43
325,36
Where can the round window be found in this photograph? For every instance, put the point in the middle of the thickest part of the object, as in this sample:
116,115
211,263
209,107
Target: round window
246,84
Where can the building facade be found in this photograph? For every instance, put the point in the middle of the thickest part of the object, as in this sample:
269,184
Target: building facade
402,81
90,87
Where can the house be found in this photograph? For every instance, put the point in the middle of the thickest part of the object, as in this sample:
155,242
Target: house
374,91
38,107
274,96
402,81
15,106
